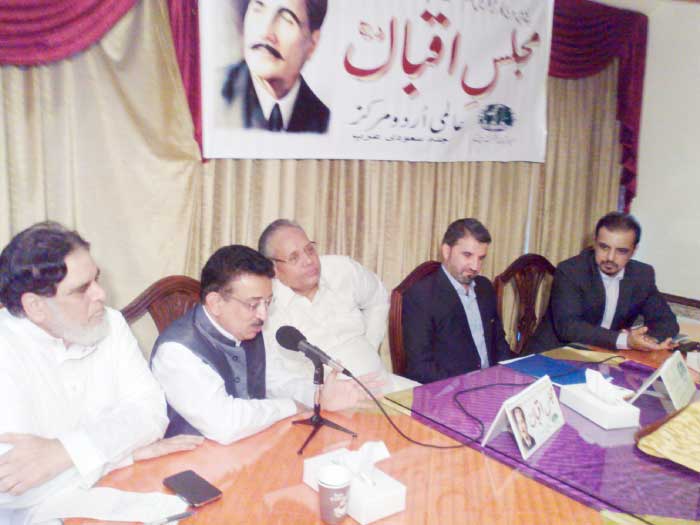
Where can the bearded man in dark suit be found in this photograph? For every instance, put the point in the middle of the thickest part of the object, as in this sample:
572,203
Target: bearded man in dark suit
597,296
450,320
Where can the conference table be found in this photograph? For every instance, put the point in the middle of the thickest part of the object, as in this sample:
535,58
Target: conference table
261,476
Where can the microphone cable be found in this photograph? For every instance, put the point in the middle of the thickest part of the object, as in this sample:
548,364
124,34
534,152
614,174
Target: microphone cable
459,404
393,424
480,423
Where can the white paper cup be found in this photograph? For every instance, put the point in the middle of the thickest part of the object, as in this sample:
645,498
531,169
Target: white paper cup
333,491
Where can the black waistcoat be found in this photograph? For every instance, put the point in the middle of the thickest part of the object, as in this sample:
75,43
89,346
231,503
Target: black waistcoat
194,331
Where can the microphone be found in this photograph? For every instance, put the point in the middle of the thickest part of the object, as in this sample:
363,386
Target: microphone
292,339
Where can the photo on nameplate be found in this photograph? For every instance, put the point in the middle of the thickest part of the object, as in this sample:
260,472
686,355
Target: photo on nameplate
532,416
395,80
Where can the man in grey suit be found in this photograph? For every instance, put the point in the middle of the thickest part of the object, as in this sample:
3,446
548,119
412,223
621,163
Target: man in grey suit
598,294
266,89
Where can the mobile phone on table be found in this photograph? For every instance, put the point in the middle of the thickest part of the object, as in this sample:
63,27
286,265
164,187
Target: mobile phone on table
192,487
688,346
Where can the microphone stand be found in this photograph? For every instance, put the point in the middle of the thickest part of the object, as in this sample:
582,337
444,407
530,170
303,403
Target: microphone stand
316,420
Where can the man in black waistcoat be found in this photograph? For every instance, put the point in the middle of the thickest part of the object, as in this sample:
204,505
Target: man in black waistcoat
212,362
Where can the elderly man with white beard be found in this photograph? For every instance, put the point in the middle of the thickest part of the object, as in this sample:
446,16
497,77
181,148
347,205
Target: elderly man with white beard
78,399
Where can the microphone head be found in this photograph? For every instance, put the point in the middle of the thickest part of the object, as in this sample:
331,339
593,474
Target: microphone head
289,337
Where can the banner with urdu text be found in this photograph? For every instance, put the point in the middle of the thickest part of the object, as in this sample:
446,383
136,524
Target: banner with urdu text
419,80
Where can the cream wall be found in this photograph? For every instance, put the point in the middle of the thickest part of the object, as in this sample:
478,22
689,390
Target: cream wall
669,163
668,189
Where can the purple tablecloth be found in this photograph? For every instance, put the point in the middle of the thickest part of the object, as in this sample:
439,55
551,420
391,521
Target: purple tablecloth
602,469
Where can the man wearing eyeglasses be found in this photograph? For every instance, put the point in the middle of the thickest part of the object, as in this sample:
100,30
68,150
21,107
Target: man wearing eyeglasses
212,362
339,305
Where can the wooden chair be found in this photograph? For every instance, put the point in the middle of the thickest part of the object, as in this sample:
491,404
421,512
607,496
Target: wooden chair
527,274
166,300
398,356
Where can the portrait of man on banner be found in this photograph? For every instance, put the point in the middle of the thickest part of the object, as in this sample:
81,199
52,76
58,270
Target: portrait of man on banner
266,89
419,80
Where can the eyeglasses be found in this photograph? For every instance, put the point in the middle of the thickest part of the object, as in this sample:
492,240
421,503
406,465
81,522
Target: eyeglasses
253,306
295,257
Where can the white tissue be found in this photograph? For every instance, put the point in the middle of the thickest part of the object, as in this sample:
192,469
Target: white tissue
373,494
604,390
692,360
361,461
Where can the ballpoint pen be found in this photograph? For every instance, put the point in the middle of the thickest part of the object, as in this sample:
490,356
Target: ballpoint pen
170,519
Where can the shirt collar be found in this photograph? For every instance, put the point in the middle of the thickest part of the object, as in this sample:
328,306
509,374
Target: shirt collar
267,101
459,287
610,278
219,328
284,295
54,345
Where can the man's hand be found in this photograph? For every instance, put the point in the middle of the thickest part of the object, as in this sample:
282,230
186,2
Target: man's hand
166,446
637,339
32,461
339,394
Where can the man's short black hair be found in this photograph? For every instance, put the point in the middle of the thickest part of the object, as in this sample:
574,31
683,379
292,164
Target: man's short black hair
34,262
315,11
466,228
616,221
229,262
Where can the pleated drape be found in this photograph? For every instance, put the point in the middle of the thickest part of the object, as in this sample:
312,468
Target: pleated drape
104,143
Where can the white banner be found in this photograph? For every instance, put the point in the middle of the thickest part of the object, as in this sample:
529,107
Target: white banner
430,80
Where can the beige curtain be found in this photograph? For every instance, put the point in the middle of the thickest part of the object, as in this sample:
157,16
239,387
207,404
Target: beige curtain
388,215
103,143
580,179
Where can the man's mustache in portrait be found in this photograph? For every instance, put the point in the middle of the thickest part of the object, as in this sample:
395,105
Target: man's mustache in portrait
268,48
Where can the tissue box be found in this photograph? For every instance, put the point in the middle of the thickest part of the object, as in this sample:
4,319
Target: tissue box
371,499
580,399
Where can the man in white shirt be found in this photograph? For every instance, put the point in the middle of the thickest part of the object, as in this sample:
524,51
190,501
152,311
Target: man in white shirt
337,304
77,397
218,379
598,295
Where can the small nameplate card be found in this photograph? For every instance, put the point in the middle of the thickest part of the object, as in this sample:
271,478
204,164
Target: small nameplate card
675,381
533,416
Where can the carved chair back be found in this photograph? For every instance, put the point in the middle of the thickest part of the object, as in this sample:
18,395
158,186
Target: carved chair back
398,355
527,274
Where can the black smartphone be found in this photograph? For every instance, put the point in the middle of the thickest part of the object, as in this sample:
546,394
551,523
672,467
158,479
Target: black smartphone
688,346
192,487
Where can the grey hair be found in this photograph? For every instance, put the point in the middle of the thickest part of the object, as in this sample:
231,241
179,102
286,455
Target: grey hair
266,235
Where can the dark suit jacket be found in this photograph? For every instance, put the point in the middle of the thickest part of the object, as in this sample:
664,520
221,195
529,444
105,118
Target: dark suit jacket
436,335
309,113
577,305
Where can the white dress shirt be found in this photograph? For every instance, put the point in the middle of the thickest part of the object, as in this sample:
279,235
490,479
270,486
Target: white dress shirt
471,310
101,402
198,392
267,101
611,283
347,319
